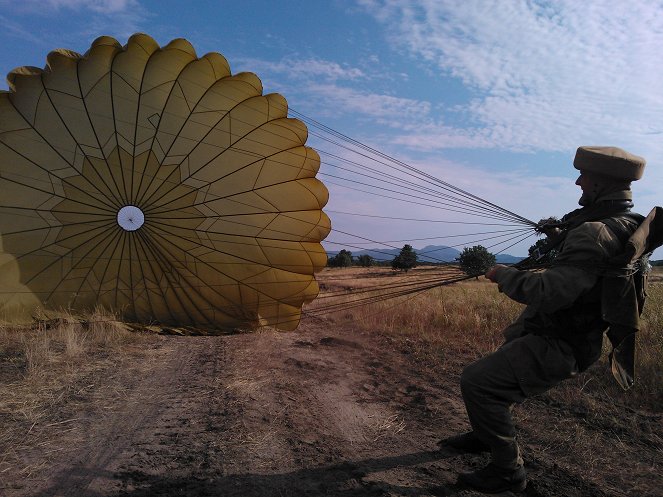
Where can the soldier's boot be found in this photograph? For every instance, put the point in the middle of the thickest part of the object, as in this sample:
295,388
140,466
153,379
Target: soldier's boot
465,443
493,479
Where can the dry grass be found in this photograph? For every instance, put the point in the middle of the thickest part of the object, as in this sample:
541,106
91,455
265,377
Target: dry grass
466,319
48,370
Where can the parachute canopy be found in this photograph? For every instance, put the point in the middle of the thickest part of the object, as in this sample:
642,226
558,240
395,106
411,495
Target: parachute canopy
156,184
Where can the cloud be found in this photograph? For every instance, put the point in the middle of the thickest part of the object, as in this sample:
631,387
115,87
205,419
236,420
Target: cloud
334,89
19,31
99,6
312,68
72,19
389,110
544,76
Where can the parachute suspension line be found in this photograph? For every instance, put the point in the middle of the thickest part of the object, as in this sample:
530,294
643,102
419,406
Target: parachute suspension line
391,293
492,232
464,196
177,281
163,247
414,186
518,240
148,264
459,198
367,148
63,121
463,199
390,290
139,98
211,213
477,211
433,259
444,221
482,208
110,236
404,165
414,202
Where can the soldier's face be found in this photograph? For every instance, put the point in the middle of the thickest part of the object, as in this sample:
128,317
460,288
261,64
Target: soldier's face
588,186
584,182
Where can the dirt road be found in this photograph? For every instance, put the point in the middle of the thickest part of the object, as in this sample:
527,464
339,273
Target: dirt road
324,411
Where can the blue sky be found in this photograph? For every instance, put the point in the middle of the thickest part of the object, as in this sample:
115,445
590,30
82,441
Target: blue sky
491,96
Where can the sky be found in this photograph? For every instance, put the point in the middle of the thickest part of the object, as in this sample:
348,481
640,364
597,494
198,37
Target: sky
491,96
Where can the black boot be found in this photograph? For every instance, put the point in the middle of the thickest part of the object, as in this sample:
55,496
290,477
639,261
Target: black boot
466,443
493,479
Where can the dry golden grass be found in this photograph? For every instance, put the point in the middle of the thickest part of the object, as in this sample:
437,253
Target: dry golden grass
466,319
47,370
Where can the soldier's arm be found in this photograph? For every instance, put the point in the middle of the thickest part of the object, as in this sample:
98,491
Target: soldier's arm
574,273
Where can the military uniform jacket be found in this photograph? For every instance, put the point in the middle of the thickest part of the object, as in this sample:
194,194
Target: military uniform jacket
563,303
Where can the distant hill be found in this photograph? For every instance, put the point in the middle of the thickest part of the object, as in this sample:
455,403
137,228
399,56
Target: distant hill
430,253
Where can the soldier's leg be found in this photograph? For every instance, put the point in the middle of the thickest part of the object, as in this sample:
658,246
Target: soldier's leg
492,385
490,389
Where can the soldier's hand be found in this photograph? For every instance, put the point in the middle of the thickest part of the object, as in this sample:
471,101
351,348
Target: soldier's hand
551,232
490,274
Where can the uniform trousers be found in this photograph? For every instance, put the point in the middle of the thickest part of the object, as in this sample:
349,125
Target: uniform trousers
491,386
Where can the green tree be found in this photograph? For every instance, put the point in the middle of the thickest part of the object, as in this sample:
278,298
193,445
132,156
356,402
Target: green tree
342,259
365,260
475,260
405,260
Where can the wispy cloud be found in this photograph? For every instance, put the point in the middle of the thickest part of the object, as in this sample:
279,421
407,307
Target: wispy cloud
99,6
103,6
312,68
119,18
334,89
545,76
388,110
19,31
439,136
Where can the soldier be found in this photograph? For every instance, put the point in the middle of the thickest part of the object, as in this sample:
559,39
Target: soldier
560,332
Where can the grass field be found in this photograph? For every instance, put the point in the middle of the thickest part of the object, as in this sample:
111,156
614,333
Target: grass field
468,318
51,363
48,360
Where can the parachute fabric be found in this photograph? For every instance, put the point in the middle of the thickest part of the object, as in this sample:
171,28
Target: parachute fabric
156,184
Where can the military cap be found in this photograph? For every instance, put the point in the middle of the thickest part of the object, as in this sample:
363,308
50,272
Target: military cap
610,161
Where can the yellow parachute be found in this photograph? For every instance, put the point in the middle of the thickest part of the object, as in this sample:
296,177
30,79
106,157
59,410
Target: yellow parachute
154,183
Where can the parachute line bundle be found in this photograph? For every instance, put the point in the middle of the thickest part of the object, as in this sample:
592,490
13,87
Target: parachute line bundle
157,184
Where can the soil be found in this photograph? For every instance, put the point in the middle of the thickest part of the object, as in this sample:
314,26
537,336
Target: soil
324,411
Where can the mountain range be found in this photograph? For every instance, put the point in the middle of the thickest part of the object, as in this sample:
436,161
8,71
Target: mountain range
430,253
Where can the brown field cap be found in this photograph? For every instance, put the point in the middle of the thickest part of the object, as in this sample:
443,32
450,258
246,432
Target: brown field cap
610,161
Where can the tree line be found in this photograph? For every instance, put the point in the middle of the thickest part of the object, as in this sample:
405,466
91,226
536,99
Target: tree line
404,261
473,260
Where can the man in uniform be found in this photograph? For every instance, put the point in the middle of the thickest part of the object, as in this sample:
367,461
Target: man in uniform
560,332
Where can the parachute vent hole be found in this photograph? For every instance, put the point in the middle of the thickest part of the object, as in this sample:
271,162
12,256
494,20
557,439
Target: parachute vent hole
130,218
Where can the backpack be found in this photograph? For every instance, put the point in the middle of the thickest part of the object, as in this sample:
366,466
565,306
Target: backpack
624,289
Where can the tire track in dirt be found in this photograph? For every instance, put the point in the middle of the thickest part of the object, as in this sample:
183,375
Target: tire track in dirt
164,397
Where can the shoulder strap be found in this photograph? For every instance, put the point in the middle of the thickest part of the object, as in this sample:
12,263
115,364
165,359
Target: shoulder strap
623,226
